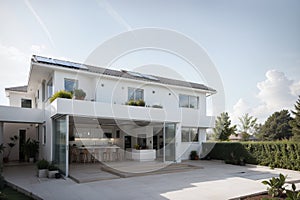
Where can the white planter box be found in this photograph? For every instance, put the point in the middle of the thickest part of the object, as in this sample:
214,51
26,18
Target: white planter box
42,173
144,154
51,174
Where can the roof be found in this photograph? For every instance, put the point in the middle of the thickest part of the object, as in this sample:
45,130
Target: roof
121,73
17,89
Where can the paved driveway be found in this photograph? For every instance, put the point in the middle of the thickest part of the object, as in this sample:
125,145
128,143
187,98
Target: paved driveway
214,180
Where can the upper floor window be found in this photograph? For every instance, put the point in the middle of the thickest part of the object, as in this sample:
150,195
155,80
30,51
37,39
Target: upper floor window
186,101
135,94
71,84
189,134
26,103
50,88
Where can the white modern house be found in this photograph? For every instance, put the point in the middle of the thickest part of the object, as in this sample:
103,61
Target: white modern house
103,126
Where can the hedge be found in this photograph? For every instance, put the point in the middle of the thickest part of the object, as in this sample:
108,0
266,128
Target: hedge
281,154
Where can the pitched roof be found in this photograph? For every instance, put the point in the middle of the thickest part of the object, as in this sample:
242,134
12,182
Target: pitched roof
121,74
17,89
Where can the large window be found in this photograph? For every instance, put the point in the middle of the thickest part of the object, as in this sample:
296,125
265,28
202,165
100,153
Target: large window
186,101
50,88
189,134
71,84
135,94
26,103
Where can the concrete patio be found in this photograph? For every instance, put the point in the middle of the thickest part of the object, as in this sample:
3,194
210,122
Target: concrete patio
210,180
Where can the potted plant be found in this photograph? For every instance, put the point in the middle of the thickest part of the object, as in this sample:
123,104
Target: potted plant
194,155
52,171
11,145
31,148
42,166
61,94
79,94
140,103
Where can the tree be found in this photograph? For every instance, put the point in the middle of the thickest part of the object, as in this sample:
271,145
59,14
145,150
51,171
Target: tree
247,126
223,128
277,126
295,123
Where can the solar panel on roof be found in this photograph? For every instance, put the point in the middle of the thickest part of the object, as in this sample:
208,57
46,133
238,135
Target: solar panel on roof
63,63
43,59
80,66
136,74
150,77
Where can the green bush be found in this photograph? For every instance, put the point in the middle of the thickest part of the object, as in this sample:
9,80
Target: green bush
136,103
61,94
281,154
42,164
52,167
276,185
79,94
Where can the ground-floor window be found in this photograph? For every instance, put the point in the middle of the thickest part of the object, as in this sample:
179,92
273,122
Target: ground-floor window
189,134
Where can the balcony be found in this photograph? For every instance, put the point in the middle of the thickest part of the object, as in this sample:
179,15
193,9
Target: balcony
21,115
188,117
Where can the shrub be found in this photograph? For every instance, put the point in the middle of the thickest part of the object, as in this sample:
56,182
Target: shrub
276,185
140,103
52,167
157,106
293,194
136,103
79,94
42,164
61,94
280,154
194,155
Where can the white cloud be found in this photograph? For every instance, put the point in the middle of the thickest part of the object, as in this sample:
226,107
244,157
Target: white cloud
15,67
276,92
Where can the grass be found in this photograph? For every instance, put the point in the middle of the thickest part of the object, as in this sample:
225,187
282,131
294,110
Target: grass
13,194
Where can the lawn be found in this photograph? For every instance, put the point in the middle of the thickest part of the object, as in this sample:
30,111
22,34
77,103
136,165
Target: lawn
12,194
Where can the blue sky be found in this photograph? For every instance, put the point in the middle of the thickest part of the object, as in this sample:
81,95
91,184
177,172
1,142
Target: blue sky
255,45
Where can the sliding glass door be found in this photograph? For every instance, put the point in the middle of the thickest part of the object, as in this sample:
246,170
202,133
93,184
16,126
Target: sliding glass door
169,142
61,143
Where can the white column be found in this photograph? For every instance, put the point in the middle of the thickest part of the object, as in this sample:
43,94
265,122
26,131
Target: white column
178,143
1,142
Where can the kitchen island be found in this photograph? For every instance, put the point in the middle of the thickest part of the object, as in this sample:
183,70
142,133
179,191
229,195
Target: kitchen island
143,154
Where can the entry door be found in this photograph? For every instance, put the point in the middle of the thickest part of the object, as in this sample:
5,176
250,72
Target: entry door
61,143
127,142
22,140
169,142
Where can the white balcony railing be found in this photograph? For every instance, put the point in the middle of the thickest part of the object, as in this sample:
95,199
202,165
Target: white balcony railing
115,111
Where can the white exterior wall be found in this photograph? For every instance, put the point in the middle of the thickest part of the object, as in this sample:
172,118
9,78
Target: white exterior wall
85,82
110,95
16,97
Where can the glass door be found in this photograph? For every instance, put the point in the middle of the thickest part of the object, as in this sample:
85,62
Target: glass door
61,143
169,142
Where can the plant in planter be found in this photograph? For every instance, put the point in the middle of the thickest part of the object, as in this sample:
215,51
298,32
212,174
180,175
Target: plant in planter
42,166
52,171
11,145
61,94
131,103
31,148
194,155
79,94
140,103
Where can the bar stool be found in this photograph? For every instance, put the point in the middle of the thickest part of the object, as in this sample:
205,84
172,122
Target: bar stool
104,155
84,155
74,154
95,155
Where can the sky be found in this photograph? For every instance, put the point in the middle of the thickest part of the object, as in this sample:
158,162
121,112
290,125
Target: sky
254,44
